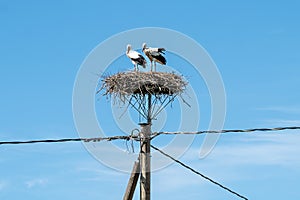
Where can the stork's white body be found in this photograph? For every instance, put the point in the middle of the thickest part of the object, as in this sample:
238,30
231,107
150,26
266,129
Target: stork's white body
136,58
155,55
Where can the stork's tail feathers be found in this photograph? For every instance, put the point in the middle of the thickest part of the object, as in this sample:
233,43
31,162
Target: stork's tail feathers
144,63
160,59
161,50
163,60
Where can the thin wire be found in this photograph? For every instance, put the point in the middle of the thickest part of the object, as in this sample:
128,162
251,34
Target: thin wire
198,173
155,134
130,137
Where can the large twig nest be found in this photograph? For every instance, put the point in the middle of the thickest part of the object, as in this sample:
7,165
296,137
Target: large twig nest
142,83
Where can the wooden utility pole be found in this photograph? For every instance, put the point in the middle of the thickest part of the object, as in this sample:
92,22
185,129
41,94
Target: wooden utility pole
145,162
145,158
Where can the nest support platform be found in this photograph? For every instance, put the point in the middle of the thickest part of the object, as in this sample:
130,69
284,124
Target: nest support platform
142,83
147,92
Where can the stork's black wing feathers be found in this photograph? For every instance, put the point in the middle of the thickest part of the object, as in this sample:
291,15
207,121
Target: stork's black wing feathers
160,58
140,60
161,50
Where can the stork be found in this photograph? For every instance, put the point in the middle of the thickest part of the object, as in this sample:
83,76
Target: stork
136,58
154,54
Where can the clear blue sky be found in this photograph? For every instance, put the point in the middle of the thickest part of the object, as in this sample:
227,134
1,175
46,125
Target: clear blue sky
254,44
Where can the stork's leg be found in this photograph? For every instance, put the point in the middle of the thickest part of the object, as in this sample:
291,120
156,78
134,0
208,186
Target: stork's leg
154,66
151,66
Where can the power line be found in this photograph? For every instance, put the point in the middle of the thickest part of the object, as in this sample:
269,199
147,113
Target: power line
155,134
130,137
198,173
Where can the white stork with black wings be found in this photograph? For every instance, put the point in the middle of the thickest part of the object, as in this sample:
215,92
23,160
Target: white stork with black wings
136,58
155,54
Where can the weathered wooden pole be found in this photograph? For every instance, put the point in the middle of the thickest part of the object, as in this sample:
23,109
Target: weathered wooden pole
132,181
145,158
145,162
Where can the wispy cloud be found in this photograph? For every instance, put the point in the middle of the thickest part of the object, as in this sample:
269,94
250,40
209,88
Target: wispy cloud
282,122
175,178
295,109
261,149
36,182
255,148
94,171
